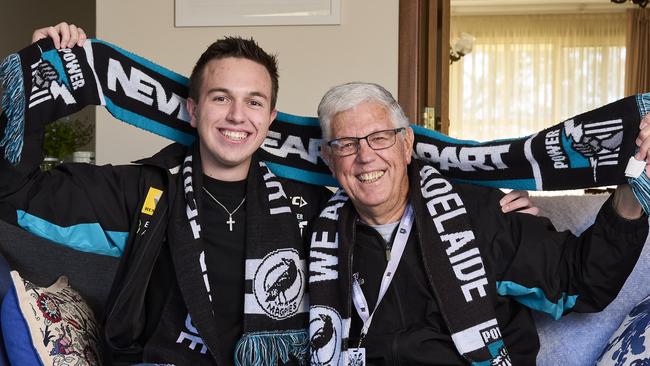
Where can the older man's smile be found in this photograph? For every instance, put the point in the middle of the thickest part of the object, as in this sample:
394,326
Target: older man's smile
370,177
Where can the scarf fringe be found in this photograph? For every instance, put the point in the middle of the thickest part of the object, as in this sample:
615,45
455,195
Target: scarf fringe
13,106
264,348
641,189
643,100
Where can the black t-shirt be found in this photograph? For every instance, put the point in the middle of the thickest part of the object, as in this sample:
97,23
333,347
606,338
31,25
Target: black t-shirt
225,253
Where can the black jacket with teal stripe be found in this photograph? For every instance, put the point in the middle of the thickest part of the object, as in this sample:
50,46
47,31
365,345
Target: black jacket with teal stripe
116,211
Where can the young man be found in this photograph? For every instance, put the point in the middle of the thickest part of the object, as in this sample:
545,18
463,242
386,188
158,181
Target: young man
213,258
213,264
408,268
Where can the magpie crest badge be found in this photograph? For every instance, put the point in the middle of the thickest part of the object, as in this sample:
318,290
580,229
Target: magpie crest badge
325,336
278,284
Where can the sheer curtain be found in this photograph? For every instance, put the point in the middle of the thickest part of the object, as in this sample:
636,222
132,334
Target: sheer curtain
638,52
529,72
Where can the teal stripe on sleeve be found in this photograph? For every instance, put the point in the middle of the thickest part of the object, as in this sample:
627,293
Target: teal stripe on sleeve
534,298
88,237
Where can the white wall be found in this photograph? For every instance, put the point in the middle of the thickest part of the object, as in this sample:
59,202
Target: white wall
311,58
18,20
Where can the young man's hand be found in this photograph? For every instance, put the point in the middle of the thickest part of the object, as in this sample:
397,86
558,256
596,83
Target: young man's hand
63,34
518,201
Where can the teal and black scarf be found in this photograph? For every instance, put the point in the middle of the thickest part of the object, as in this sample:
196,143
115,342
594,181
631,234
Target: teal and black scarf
42,84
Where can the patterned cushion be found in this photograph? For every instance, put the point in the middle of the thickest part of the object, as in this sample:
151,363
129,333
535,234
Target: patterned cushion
48,326
630,344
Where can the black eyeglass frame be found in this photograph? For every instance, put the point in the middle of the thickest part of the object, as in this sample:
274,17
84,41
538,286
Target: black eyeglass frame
358,141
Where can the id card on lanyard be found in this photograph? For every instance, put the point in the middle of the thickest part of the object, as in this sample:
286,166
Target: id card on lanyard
359,299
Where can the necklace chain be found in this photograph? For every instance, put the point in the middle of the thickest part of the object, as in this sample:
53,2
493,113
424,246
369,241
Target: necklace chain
230,221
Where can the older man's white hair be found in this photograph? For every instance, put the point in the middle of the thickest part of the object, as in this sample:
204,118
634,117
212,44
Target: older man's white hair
347,96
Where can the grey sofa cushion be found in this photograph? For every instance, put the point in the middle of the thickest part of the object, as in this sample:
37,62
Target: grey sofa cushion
42,262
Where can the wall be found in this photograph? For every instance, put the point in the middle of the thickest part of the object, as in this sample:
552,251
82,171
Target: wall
312,58
18,19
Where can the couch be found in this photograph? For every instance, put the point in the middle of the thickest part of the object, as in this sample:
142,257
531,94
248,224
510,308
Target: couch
576,339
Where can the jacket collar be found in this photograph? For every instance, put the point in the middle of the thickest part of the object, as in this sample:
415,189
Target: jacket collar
169,158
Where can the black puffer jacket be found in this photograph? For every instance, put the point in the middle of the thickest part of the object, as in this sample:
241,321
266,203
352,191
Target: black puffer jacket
532,265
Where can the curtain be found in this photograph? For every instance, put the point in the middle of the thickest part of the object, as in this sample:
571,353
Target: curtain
637,67
526,73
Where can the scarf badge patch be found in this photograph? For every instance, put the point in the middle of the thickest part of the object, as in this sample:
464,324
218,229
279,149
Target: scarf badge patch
278,284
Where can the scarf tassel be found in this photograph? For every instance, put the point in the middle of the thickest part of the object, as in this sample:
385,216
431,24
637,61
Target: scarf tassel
264,348
13,106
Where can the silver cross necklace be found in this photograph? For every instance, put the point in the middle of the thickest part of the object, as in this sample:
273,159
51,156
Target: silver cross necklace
230,221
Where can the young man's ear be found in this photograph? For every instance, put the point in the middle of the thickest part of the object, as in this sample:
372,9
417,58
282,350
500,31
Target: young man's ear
192,110
274,114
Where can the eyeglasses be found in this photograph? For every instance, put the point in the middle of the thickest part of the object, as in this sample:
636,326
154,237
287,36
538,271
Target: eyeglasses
378,140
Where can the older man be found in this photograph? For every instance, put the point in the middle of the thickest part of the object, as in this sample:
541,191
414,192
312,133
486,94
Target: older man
408,268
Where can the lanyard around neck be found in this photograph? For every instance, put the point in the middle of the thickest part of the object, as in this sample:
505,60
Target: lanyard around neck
360,302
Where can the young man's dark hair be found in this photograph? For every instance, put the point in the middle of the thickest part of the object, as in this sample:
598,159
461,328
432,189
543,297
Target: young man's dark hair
236,47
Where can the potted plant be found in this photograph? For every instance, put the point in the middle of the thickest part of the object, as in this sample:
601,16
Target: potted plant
62,138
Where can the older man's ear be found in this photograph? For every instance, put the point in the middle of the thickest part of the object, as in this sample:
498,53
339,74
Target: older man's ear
325,155
409,138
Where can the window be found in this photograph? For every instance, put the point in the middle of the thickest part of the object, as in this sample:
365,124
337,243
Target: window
526,73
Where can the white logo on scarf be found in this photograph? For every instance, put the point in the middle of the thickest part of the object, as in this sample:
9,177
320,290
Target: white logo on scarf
47,85
599,142
278,284
325,327
502,359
